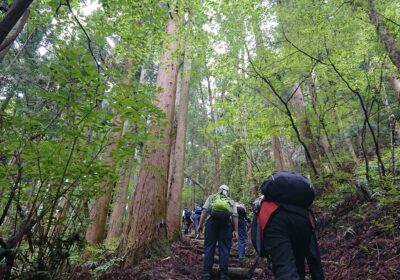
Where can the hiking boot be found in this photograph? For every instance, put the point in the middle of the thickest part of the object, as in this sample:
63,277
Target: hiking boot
206,276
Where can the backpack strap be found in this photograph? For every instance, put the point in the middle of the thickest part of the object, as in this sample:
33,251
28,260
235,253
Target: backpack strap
266,210
214,196
311,217
264,213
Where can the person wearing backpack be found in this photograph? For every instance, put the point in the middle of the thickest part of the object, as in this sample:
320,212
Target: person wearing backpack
219,215
196,219
283,226
242,230
187,213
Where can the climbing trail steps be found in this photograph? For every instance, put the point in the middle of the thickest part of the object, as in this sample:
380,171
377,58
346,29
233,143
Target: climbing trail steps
237,269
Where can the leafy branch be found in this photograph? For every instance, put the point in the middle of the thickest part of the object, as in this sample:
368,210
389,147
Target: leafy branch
356,92
288,112
365,111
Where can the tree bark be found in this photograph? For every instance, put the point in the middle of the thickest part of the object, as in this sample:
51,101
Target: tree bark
346,137
394,122
14,13
216,143
385,35
13,34
177,176
304,124
174,131
118,211
99,210
209,188
278,153
145,234
322,138
253,186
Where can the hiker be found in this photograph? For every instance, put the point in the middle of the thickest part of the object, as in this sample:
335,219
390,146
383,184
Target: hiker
242,230
196,219
187,213
219,213
287,226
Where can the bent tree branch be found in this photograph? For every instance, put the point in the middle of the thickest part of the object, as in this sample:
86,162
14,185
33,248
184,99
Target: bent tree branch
359,96
366,117
287,111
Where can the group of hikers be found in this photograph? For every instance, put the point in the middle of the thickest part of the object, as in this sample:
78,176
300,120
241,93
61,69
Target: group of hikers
282,229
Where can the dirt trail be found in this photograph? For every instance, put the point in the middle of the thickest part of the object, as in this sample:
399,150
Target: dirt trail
237,269
186,263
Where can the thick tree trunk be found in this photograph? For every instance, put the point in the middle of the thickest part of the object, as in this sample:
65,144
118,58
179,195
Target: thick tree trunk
172,156
346,138
174,131
287,156
118,211
99,210
278,153
14,13
216,142
13,34
122,185
323,142
385,35
209,188
304,125
177,176
394,123
145,234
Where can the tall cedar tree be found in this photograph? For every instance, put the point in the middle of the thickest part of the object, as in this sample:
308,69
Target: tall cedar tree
146,234
176,182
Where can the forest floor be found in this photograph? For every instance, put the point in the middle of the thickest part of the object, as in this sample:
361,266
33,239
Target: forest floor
355,243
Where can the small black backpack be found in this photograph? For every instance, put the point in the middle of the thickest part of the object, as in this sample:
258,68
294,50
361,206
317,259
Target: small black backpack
198,210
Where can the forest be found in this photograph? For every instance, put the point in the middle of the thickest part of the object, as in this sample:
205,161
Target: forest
117,114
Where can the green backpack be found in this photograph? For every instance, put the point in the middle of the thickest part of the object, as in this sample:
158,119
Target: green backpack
221,207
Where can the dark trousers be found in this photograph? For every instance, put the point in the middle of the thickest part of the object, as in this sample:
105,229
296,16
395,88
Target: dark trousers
242,237
196,221
221,232
288,240
187,222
